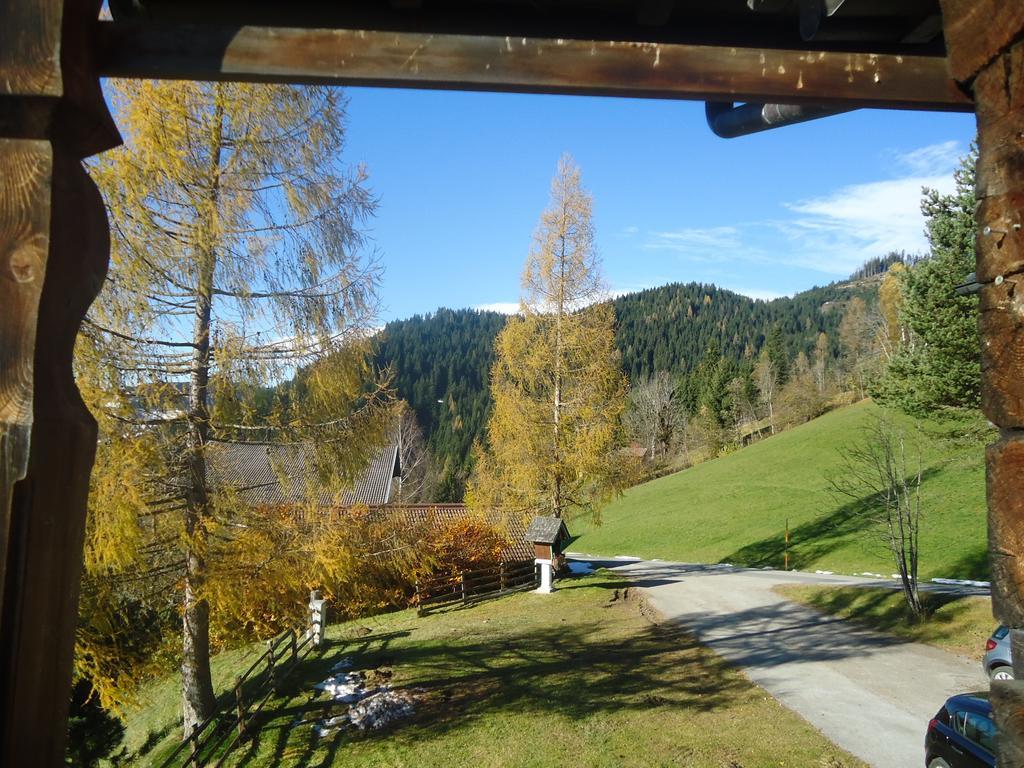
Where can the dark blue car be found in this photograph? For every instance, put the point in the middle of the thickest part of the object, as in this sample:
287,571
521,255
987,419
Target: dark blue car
962,734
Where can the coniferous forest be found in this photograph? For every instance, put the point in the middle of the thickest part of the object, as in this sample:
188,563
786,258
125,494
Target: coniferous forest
441,361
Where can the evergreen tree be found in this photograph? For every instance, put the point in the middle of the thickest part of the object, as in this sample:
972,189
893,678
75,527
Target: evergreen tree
937,365
449,354
777,353
441,364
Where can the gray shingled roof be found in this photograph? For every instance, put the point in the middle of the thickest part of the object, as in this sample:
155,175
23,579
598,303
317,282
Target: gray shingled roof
256,473
546,530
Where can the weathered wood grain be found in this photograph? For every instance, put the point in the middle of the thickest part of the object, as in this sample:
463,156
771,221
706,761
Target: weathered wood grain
529,65
1005,461
53,249
1008,702
30,47
999,90
977,31
24,242
48,510
980,35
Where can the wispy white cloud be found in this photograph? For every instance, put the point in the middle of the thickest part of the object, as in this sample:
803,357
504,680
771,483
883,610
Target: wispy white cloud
833,233
836,233
504,307
933,160
697,241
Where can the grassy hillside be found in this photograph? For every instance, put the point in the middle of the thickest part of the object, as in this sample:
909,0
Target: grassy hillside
734,509
579,678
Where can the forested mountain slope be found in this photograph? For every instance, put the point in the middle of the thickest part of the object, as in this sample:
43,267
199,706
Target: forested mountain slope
669,327
444,356
447,355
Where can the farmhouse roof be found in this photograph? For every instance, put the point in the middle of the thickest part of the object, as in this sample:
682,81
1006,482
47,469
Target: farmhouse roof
546,530
518,548
272,475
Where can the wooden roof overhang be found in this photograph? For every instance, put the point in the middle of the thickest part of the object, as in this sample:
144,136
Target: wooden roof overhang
876,53
54,239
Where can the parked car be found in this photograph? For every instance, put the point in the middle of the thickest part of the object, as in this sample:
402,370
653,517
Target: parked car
997,663
962,734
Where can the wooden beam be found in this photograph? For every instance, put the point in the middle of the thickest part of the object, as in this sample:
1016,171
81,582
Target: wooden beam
53,251
31,85
527,65
977,30
987,53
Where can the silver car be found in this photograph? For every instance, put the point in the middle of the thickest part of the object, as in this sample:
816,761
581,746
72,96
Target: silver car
998,664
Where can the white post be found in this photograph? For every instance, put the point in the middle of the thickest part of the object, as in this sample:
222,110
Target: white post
317,617
545,576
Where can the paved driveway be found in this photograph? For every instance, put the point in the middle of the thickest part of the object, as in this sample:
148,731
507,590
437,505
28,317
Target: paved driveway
868,693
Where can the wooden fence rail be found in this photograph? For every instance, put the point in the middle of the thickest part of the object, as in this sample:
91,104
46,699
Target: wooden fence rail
236,708
471,586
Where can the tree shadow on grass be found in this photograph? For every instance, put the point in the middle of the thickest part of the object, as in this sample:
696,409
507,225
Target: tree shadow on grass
885,610
767,636
814,539
571,669
974,565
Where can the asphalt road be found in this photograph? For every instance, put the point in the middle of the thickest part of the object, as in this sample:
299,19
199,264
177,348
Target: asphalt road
868,693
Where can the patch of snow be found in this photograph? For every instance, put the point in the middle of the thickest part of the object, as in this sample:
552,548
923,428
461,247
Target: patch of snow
367,709
824,573
346,687
626,557
963,582
380,709
581,567
872,575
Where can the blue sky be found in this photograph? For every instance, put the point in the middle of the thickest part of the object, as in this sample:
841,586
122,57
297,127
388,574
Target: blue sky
463,177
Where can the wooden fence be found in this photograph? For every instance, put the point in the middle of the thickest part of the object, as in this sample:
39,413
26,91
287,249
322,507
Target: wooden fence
470,586
236,708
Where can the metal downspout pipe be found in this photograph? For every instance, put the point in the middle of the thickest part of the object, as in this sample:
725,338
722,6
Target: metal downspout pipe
729,121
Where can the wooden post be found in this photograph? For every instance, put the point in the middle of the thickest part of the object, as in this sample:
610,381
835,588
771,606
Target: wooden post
239,707
193,755
462,584
317,617
293,642
986,55
786,556
272,669
501,576
54,246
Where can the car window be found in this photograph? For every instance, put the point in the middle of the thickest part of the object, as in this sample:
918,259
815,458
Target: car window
959,720
1000,632
980,730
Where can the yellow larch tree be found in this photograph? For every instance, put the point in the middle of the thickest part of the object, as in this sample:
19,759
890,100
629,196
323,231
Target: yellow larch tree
557,388
237,265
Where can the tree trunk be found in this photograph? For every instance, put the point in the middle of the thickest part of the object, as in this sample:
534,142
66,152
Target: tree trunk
556,499
198,699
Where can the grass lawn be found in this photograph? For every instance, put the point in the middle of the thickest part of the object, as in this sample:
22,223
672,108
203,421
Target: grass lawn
578,678
734,508
959,625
